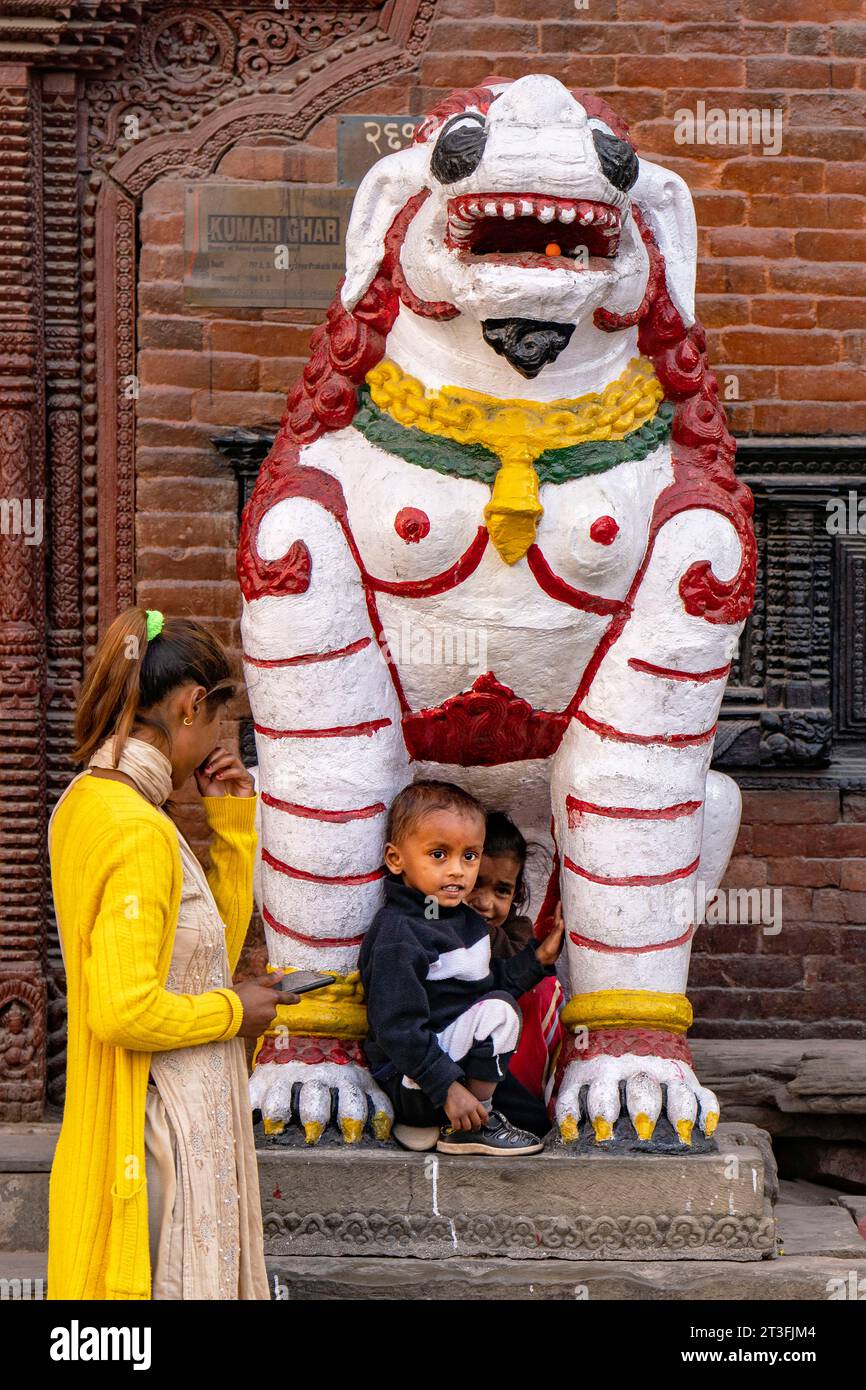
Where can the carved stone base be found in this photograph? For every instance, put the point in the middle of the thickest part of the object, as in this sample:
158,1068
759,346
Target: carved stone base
551,1206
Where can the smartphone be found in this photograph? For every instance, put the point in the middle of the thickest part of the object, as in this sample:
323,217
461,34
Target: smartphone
303,981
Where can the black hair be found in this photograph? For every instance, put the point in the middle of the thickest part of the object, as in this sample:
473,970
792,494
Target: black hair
503,837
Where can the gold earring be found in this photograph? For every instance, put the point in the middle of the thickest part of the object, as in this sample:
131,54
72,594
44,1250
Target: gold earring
188,719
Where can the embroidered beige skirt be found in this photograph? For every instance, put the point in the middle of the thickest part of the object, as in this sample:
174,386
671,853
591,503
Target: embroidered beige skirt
204,1205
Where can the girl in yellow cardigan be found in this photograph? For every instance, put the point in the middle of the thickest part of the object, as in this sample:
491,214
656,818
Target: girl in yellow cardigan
154,1189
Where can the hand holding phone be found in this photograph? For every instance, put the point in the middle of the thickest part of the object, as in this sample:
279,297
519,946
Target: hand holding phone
304,981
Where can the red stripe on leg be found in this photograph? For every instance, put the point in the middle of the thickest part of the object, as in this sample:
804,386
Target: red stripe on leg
343,880
669,673
633,880
291,808
620,736
590,944
319,941
577,808
308,658
341,731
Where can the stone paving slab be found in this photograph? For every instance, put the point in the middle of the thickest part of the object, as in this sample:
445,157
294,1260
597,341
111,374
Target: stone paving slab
812,1230
795,1278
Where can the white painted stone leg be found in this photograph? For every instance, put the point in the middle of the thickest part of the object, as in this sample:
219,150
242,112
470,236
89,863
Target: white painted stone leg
639,821
331,758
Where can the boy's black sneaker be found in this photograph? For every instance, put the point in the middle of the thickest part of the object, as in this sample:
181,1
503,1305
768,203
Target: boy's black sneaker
496,1137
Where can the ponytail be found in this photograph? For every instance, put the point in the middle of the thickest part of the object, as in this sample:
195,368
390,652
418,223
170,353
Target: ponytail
131,672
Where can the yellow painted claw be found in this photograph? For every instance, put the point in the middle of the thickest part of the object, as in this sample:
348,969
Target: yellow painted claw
712,1121
382,1125
568,1129
684,1130
313,1131
603,1129
644,1126
272,1126
352,1130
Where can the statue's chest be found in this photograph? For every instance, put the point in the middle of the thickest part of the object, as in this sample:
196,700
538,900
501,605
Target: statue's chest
420,533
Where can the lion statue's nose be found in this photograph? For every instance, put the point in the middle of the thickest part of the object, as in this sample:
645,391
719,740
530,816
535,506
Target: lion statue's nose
538,100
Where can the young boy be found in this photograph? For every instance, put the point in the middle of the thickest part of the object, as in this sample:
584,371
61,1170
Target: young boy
443,1018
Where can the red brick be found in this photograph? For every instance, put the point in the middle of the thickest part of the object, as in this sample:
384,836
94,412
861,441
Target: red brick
837,313
726,38
843,178
185,562
161,402
791,807
853,875
175,462
835,383
197,599
849,39
745,872
807,211
822,841
173,368
837,245
164,196
775,311
667,71
833,109
853,806
769,174
676,11
719,209
278,373
808,873
208,528
160,297
817,278
495,36
810,418
732,277
265,339
829,143
774,243
803,938
238,407
767,345
788,72
592,38
186,494
162,229
722,311
177,333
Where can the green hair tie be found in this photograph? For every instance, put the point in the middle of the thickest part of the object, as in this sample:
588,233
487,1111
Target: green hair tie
155,623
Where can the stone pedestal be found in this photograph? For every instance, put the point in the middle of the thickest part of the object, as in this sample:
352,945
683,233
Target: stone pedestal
385,1202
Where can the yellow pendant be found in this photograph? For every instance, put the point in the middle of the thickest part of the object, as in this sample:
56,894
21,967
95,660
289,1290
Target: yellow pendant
513,511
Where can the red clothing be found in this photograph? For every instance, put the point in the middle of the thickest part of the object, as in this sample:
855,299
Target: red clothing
533,1062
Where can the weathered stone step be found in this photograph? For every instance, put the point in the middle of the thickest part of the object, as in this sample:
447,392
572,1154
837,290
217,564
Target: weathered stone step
556,1205
798,1278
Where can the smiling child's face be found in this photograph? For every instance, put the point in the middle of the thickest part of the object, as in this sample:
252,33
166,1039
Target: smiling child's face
440,855
495,887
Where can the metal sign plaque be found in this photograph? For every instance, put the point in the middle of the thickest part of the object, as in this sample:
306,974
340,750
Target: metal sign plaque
362,140
264,245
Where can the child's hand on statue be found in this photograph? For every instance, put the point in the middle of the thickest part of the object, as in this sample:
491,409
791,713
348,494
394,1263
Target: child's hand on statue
464,1110
223,774
547,950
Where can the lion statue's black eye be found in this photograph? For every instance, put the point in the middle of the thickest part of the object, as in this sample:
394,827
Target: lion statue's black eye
618,161
459,148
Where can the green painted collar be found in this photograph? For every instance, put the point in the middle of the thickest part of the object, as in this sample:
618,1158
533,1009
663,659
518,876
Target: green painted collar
480,464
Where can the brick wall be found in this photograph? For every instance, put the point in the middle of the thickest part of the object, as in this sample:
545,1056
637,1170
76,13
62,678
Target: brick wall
781,286
807,979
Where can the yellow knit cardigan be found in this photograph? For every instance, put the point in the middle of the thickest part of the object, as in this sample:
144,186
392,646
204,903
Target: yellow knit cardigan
116,874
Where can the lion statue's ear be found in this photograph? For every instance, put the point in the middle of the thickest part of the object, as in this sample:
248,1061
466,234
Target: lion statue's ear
666,203
384,190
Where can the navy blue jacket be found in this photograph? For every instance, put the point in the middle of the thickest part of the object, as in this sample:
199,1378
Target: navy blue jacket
420,974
